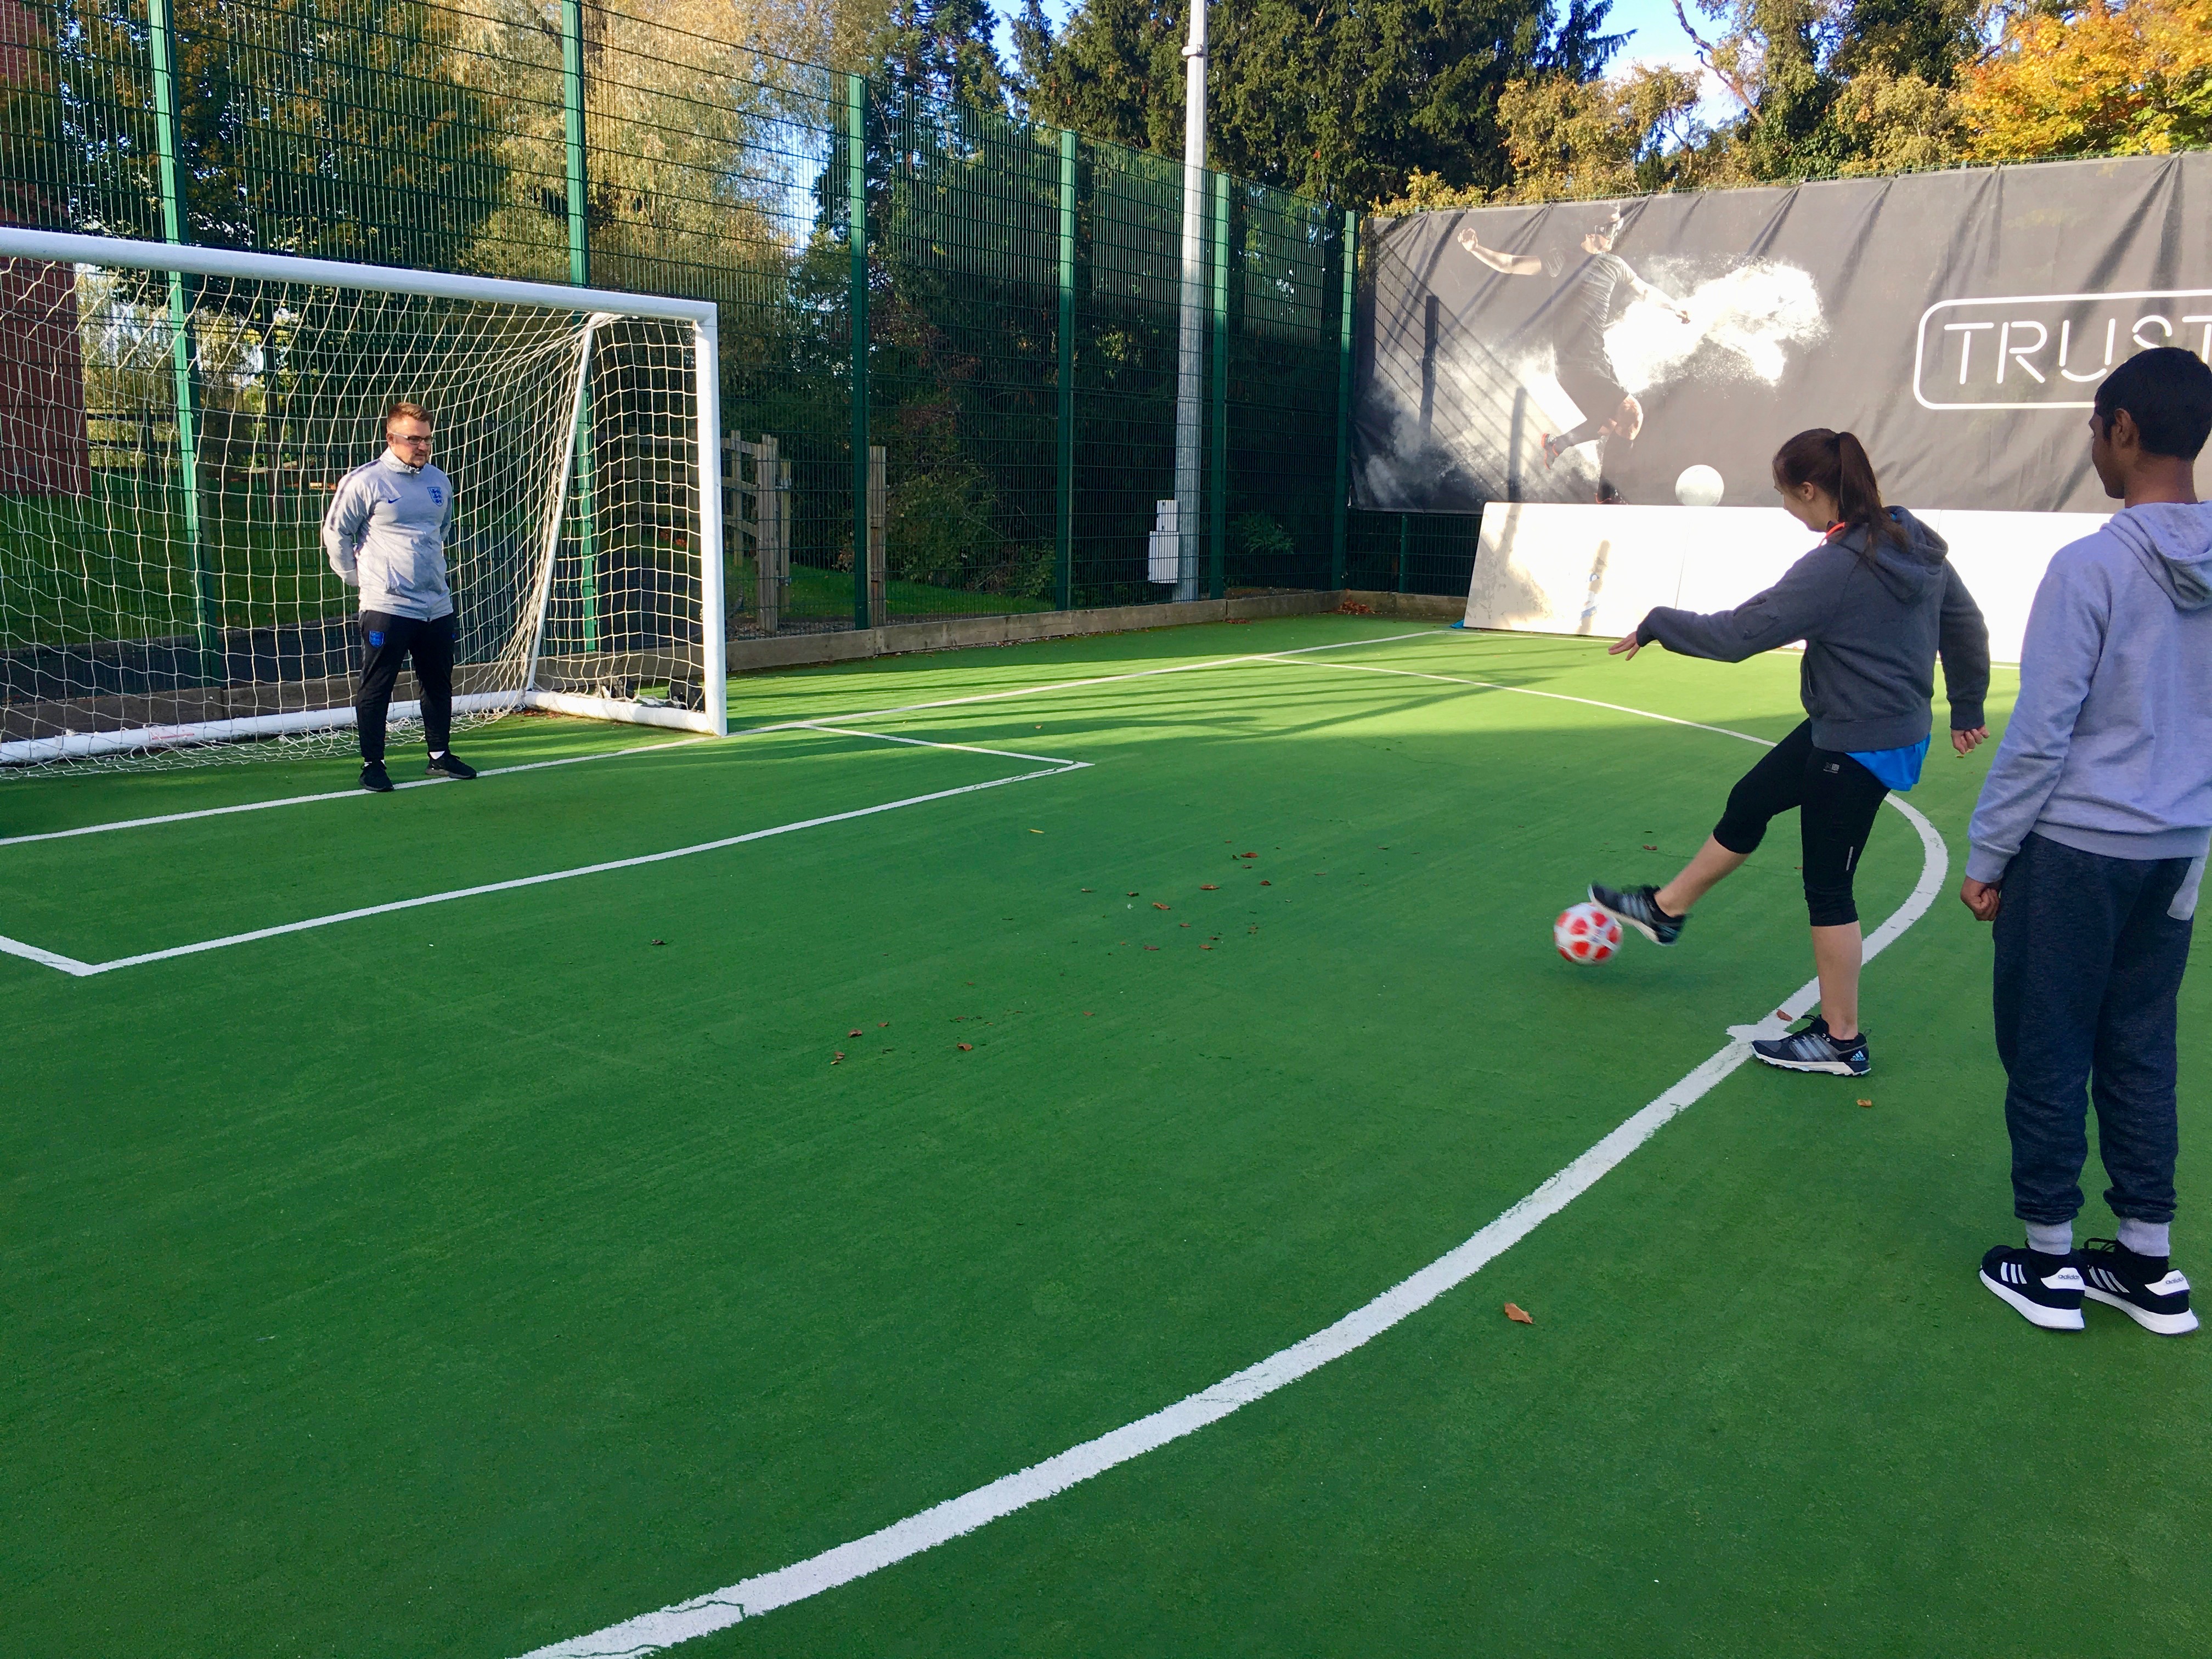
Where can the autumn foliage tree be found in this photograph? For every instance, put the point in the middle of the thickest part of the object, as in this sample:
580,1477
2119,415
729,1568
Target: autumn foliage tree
2098,79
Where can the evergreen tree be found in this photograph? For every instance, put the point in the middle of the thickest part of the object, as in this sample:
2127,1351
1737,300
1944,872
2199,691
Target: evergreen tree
1330,99
945,48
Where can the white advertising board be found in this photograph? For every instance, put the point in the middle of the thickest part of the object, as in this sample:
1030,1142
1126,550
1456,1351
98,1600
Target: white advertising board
1550,569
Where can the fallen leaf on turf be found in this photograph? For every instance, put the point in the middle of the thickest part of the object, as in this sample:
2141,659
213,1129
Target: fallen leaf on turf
1087,1014
1086,889
1784,1013
1132,892
1037,832
1247,855
661,941
1156,905
881,1024
1514,1313
852,1034
966,1048
1205,947
1266,884
1152,947
1648,847
835,1058
1208,887
1866,1102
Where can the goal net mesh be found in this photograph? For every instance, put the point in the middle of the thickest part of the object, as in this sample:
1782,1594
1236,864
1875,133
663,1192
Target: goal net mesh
169,444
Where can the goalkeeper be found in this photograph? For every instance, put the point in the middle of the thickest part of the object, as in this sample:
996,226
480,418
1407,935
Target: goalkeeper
386,534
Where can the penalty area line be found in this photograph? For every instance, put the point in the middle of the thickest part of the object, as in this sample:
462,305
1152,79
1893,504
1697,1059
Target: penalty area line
82,969
956,1518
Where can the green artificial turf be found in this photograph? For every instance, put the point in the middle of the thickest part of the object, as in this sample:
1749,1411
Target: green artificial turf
465,1277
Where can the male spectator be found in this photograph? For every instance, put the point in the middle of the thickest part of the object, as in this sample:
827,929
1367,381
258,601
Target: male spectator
386,534
2087,849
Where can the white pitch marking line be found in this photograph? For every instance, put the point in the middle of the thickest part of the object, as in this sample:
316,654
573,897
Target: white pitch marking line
82,968
822,723
15,947
927,743
1102,679
1529,691
353,793
703,1615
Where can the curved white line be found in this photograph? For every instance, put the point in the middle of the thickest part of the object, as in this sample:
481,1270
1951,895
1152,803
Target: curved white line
651,1632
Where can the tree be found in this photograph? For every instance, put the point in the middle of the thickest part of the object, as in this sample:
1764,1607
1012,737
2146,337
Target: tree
1835,87
1571,140
1328,98
945,48
2095,80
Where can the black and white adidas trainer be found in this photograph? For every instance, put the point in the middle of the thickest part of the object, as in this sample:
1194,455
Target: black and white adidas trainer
2145,1288
2044,1290
1639,908
1810,1049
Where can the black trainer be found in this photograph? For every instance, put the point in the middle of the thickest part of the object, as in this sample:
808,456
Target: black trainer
1810,1049
2143,1287
449,765
2044,1290
1639,908
375,778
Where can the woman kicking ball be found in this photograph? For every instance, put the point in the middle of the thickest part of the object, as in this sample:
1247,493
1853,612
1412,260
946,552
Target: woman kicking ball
1875,603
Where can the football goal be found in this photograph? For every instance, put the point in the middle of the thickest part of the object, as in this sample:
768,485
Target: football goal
172,422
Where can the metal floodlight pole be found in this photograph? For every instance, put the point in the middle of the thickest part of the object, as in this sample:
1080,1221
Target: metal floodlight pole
176,228
1190,360
574,134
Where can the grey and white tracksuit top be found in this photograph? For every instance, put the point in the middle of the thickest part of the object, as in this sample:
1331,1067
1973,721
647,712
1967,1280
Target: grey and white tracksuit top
386,534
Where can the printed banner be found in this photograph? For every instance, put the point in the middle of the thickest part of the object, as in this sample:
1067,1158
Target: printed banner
1658,350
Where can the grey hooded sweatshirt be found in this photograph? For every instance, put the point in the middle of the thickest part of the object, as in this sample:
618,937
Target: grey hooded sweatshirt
386,534
1873,629
2109,750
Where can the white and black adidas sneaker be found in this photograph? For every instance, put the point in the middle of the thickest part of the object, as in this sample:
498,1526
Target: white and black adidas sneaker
1810,1049
1639,908
2044,1290
2145,1288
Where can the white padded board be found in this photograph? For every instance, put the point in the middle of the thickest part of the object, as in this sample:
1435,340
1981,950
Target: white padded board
1548,568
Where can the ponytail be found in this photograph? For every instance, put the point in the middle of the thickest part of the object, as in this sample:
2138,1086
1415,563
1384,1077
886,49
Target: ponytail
1837,462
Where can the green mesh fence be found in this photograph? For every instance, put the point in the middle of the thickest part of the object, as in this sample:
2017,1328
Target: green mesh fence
1019,289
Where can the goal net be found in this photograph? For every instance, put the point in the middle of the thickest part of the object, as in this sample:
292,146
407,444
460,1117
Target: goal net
174,422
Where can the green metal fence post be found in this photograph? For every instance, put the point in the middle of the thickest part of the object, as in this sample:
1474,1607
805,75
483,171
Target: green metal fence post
580,273
1338,529
856,222
1217,487
176,227
1064,552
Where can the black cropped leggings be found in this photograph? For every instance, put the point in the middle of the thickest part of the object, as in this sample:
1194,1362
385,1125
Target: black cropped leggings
1836,799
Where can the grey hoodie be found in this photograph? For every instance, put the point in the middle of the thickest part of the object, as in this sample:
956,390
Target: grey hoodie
386,534
2109,750
1872,631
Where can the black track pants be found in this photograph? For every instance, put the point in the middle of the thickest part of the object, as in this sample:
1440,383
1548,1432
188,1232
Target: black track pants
2089,960
387,643
1836,799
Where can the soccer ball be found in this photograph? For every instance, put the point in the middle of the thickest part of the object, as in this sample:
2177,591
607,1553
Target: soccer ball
1700,486
1585,933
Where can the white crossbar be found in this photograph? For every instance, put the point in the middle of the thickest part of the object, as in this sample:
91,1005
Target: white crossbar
62,248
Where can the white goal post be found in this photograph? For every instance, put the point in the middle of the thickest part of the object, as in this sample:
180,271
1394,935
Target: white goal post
173,421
